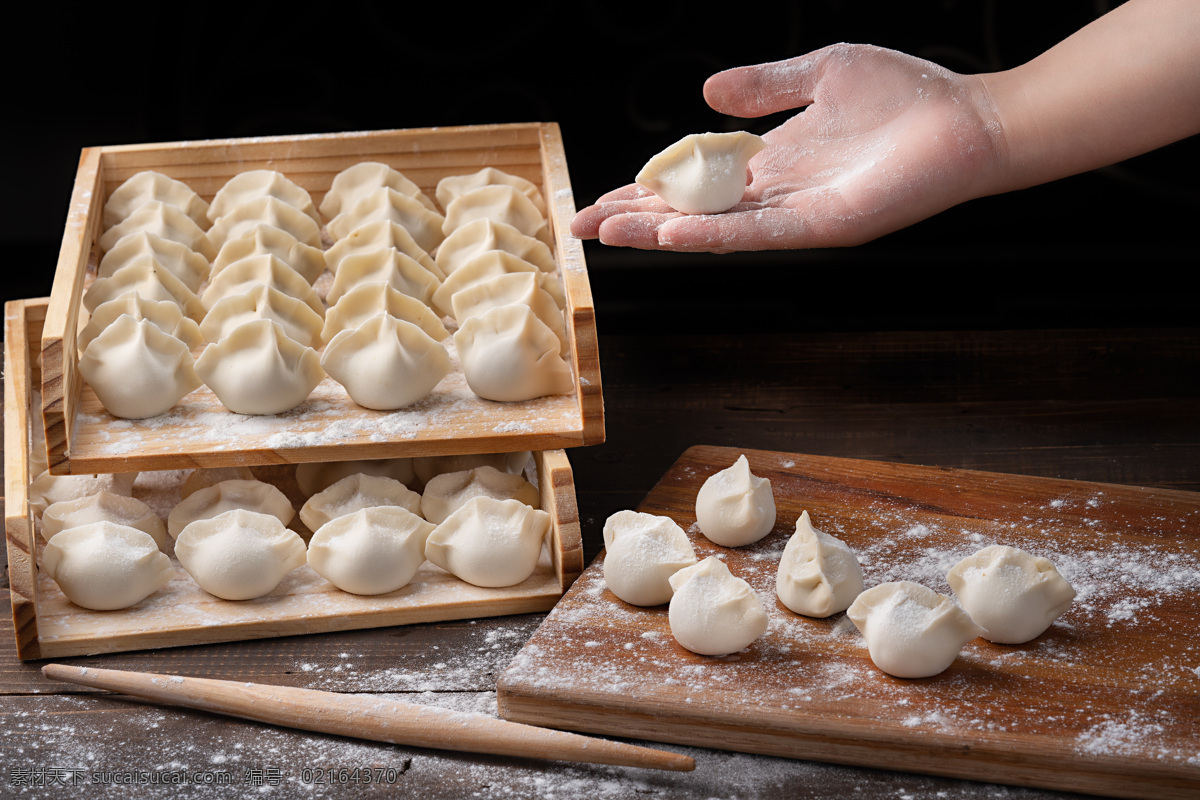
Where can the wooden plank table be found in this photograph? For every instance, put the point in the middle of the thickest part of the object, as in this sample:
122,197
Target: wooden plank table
1116,406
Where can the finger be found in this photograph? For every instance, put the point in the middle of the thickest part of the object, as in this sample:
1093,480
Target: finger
761,89
758,229
586,224
635,230
631,192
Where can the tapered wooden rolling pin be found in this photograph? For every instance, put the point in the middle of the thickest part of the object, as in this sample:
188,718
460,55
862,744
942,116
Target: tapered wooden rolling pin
371,718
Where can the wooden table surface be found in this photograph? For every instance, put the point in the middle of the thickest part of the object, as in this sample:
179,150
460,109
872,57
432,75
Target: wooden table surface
1119,406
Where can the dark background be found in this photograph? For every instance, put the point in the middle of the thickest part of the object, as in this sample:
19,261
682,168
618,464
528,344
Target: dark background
1115,247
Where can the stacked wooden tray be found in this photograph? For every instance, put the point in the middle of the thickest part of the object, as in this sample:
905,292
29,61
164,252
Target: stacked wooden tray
82,438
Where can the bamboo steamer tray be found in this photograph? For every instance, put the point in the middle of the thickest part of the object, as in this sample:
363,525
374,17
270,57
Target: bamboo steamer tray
1107,701
82,438
48,626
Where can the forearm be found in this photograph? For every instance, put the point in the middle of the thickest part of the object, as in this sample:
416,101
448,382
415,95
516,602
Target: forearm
1124,85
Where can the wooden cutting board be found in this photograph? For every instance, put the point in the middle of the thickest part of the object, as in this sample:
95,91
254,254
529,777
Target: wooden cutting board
1107,701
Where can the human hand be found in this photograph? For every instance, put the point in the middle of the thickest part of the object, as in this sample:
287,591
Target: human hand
886,140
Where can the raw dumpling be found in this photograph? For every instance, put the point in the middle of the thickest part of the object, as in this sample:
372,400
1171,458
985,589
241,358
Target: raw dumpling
299,322
314,477
426,468
148,279
149,186
489,264
105,566
702,173
183,262
104,507
377,235
354,493
386,363
372,551
911,631
162,313
1015,596
489,542
386,265
263,211
819,574
165,221
452,187
257,369
256,184
263,239
388,204
713,612
502,290
263,270
500,203
45,490
354,183
508,354
368,299
735,507
199,479
249,495
641,553
484,234
450,491
136,370
239,555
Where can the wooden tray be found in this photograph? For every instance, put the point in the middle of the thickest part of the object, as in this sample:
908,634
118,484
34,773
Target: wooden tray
82,438
48,626
1107,701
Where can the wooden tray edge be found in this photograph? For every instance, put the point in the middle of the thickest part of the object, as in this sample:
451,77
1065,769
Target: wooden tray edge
18,521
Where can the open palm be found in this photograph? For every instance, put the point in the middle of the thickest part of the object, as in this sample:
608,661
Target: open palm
886,140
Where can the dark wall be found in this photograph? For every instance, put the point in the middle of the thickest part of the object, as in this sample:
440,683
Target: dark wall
623,80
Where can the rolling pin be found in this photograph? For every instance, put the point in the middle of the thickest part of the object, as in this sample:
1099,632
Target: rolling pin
373,718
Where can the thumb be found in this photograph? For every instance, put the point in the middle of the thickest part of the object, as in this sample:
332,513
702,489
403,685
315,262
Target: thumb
766,88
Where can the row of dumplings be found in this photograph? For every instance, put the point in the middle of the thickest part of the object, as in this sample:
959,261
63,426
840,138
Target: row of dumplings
371,533
259,310
1004,594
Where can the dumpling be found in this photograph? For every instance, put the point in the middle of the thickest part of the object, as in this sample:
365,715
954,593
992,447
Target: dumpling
212,501
262,239
388,266
381,234
263,211
735,507
356,182
136,370
354,493
386,363
163,314
104,566
104,507
712,611
182,262
641,553
488,542
702,173
372,551
1015,596
450,491
149,186
256,184
368,299
453,186
911,631
490,264
199,479
483,234
819,575
239,555
316,476
500,203
388,204
508,354
45,490
165,221
426,468
257,369
265,270
148,279
503,290
260,301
